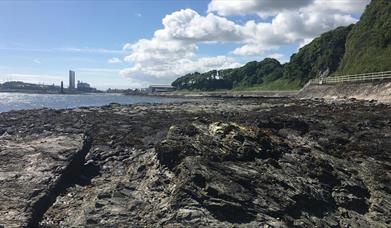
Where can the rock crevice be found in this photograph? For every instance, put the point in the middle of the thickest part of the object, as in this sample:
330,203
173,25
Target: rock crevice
38,168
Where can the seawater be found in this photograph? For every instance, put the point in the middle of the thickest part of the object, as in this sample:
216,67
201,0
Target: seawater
19,101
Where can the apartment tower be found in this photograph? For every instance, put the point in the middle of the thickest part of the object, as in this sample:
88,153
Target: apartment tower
72,80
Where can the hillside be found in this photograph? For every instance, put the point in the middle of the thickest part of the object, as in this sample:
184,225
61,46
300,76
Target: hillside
322,55
368,47
252,73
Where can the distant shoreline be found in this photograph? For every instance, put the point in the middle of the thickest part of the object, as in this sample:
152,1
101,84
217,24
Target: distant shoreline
46,92
228,94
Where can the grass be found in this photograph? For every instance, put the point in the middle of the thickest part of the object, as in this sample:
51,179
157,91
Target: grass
278,85
200,91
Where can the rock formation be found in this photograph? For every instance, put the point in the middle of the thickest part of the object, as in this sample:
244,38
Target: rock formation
216,163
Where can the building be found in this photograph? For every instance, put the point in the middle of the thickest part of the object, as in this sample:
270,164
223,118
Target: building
72,79
160,88
83,85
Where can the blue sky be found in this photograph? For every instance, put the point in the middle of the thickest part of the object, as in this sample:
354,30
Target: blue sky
41,40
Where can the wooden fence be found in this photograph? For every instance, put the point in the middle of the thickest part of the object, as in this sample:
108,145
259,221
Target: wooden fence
353,78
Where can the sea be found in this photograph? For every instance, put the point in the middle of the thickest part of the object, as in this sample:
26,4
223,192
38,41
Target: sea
20,101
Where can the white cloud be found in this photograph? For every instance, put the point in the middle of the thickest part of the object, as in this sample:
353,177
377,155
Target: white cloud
157,50
94,70
34,78
261,7
280,57
251,49
288,27
305,42
293,21
189,25
171,70
172,50
114,60
89,50
274,7
37,61
341,6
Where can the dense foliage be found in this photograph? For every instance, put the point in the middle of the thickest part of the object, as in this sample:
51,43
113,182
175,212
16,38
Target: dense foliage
368,47
252,73
321,56
360,48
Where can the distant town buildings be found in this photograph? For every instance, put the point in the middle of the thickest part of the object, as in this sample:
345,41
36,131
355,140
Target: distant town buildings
19,86
160,88
83,86
72,79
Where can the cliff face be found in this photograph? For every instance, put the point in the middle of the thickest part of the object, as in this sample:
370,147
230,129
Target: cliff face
243,163
368,46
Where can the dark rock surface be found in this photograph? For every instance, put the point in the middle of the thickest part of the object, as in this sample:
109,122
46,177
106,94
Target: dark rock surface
219,163
33,170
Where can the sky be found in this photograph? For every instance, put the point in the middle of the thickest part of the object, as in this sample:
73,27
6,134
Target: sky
136,43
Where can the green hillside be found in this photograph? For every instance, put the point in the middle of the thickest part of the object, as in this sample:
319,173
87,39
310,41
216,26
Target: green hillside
253,73
322,55
368,47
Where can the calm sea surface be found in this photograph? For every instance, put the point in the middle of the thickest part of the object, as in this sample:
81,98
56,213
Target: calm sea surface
18,101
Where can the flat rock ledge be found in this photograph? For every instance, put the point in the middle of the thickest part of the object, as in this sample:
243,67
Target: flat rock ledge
32,170
277,162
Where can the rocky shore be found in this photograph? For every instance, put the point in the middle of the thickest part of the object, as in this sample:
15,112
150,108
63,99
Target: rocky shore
227,94
218,163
